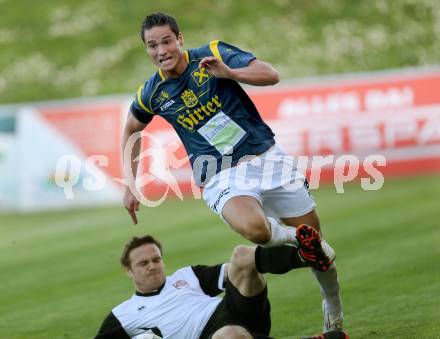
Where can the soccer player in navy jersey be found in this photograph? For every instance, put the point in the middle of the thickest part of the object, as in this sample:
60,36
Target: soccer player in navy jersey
247,179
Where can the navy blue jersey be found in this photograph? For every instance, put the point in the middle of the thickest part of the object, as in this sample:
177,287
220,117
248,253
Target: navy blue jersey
215,119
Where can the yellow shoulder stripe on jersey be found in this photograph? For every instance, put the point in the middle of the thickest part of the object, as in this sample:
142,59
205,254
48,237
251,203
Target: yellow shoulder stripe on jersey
186,56
139,98
213,46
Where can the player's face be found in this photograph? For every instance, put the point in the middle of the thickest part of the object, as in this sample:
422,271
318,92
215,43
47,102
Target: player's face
165,49
146,268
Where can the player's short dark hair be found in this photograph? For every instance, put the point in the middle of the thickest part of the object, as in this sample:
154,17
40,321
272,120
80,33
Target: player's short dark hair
159,19
136,242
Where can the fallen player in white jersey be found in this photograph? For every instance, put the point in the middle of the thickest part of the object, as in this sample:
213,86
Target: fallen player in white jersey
186,305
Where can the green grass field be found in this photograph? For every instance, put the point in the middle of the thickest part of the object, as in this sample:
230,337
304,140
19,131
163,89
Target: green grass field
60,274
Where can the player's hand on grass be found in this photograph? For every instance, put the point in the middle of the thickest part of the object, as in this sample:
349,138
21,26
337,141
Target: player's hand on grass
131,203
215,67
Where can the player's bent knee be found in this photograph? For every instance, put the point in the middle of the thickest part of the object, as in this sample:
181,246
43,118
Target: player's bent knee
259,236
243,257
256,231
232,332
253,228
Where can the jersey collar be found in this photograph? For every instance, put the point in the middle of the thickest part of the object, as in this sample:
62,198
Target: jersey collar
150,294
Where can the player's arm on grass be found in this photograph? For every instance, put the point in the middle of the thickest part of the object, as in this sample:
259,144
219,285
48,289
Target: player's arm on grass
256,73
132,126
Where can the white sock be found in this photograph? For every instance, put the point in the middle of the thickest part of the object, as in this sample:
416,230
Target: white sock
280,234
329,284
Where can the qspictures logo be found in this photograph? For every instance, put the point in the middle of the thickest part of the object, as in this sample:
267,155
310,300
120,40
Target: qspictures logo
346,168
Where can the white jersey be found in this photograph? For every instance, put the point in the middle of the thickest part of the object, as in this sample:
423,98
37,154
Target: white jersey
179,310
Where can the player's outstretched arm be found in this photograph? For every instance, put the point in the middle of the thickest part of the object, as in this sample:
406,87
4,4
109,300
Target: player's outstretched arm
130,165
257,73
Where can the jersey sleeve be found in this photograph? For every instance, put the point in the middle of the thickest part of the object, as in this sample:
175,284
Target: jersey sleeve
232,56
211,278
111,328
140,106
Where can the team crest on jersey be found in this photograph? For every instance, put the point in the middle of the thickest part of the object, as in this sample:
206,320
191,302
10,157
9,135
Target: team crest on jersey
189,98
200,76
180,284
163,96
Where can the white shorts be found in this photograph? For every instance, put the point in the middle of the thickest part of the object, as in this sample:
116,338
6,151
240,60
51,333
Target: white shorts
271,177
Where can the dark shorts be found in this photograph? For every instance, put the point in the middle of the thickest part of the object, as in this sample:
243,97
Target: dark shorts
252,313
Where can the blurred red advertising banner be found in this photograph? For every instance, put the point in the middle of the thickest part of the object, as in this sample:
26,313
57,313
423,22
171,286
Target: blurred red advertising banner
94,127
371,92
393,114
379,113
